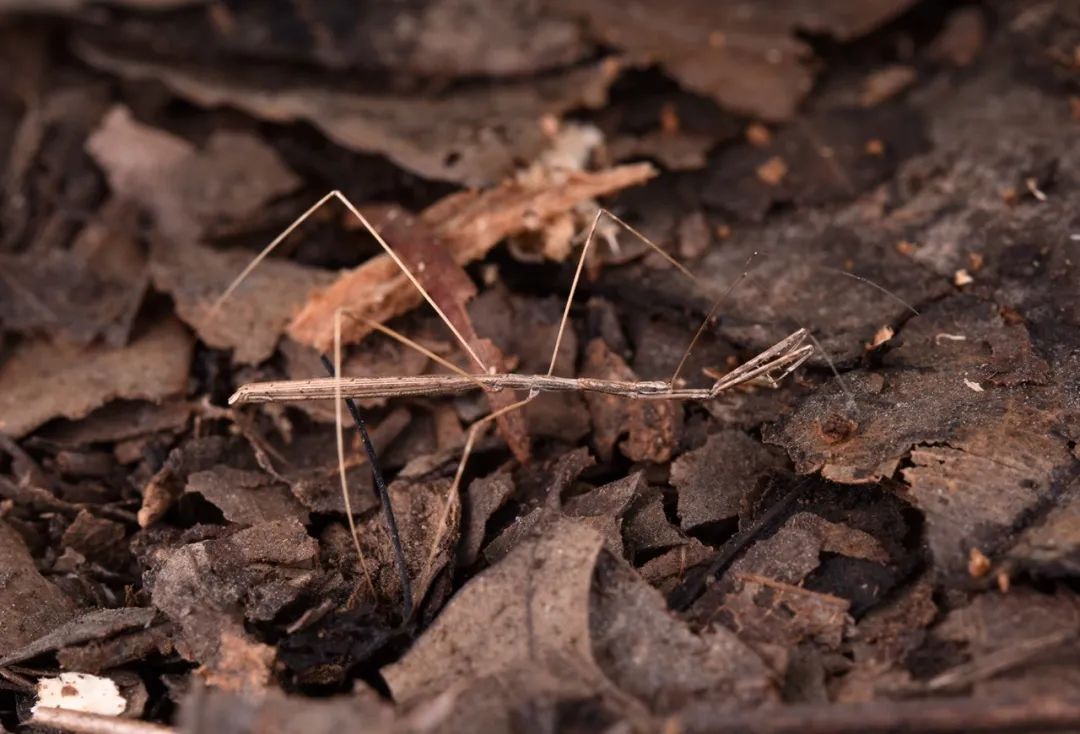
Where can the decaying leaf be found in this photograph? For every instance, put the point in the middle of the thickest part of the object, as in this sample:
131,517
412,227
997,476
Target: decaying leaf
482,498
196,455
472,137
208,588
979,460
100,624
251,321
426,514
33,605
185,188
469,224
559,611
716,481
94,290
246,497
40,381
744,56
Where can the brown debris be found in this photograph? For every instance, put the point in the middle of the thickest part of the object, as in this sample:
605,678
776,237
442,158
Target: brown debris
425,512
96,538
469,224
652,427
442,138
557,608
97,655
962,38
246,497
208,588
99,624
169,481
93,290
40,381
483,497
716,481
745,57
230,179
886,83
821,160
252,320
31,605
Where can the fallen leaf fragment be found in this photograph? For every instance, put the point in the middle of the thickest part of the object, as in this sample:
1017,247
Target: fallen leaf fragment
716,481
470,224
99,624
208,588
187,189
40,381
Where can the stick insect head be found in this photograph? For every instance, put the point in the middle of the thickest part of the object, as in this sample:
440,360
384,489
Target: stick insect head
783,357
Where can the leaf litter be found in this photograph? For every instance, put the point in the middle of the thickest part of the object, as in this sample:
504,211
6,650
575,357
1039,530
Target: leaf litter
870,535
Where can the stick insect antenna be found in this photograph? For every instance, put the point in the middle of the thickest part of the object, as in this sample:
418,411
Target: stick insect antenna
709,317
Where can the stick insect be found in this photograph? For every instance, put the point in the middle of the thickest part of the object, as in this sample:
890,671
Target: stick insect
770,366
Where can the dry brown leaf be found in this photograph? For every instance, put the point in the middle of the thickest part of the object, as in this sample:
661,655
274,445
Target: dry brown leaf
559,607
41,381
187,189
469,223
746,56
475,137
251,321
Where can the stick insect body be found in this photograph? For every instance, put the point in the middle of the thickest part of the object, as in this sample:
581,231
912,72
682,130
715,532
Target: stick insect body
769,367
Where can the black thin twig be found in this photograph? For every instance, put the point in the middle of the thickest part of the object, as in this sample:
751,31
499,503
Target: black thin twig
384,500
683,595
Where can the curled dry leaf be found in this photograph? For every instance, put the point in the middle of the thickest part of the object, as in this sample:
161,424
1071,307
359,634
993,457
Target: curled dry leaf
469,224
187,189
745,56
474,137
558,613
246,497
40,381
99,624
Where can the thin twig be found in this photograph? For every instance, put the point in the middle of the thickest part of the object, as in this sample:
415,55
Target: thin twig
82,722
384,500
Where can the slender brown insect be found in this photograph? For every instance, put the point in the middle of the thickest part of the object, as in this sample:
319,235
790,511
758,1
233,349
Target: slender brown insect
769,366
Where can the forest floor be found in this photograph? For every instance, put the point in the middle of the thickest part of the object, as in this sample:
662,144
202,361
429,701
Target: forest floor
887,540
